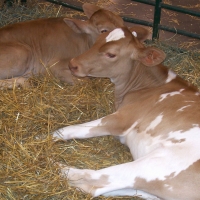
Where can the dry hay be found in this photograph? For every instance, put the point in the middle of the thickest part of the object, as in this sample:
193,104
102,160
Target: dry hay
29,115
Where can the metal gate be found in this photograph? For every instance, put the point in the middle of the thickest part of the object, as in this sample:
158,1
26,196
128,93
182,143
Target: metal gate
158,5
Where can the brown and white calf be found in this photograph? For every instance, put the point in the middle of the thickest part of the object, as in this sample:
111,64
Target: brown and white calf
157,116
47,45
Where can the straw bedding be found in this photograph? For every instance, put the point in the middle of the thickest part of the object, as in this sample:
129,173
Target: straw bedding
29,115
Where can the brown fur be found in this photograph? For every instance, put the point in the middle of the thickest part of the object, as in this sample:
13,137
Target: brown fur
46,45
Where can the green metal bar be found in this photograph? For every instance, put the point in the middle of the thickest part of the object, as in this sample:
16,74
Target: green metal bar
162,27
181,10
170,7
136,21
66,5
156,21
148,2
178,31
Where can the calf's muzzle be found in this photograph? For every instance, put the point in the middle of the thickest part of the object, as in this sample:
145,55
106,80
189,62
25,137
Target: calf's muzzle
73,66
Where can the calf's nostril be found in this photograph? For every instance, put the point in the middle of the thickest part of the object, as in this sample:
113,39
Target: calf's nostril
73,66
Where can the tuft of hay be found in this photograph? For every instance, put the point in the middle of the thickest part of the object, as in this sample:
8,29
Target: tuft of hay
29,115
27,118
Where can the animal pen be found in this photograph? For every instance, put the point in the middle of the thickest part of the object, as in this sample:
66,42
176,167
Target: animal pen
29,115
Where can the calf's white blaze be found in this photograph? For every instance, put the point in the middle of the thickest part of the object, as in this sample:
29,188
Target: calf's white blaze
116,34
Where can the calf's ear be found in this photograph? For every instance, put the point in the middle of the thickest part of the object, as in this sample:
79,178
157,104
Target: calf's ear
142,33
151,56
90,9
77,25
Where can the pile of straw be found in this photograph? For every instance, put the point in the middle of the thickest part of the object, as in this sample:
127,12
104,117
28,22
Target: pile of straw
29,115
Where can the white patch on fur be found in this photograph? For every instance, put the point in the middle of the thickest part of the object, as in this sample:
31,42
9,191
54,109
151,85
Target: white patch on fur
134,33
130,129
169,187
163,96
154,123
189,147
122,138
171,76
116,34
182,108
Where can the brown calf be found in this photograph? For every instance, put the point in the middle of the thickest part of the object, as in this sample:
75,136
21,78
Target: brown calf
47,45
157,116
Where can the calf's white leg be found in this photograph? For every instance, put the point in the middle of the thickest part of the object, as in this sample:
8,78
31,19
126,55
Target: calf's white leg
100,127
80,131
121,179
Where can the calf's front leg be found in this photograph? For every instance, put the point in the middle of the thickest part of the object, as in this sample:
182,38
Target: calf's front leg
108,125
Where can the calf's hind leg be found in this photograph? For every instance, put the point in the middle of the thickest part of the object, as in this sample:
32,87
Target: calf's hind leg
124,179
14,82
14,63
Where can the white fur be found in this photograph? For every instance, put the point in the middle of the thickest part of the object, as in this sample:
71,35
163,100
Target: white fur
134,33
154,123
182,108
163,96
116,34
171,76
76,131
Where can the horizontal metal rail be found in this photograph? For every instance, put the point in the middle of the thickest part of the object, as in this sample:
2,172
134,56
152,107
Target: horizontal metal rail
170,7
162,27
66,5
158,5
136,21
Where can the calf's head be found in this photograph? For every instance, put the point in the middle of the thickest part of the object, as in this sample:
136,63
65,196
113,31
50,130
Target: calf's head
99,21
114,54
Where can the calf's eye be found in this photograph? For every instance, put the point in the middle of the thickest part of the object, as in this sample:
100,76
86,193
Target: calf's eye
110,55
103,31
